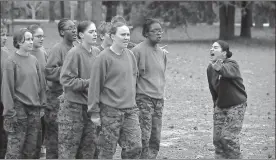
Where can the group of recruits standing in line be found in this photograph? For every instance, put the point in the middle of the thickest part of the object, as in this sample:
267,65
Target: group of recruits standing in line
92,98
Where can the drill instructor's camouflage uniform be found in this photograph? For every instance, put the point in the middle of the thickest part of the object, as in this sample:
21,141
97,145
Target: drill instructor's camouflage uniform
227,126
151,110
122,126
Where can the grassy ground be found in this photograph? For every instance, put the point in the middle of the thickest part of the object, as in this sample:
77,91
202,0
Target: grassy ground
187,120
187,127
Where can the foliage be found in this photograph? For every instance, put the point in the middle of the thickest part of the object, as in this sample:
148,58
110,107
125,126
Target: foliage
33,7
33,4
5,8
264,9
177,13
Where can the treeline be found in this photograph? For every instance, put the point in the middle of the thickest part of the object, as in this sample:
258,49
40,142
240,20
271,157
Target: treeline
171,13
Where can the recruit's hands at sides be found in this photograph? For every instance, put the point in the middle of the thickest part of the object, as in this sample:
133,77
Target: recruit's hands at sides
95,118
42,112
10,121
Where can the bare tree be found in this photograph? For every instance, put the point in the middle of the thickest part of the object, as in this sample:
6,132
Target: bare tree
81,11
227,20
33,6
258,18
210,15
72,10
12,18
52,14
61,9
4,12
272,15
246,19
111,9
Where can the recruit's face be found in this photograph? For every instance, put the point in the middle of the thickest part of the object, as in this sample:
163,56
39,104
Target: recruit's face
121,37
27,45
155,33
38,38
90,34
70,31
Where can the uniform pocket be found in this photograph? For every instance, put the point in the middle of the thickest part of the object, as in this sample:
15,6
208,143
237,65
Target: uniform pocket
111,112
50,115
74,108
20,110
71,111
9,124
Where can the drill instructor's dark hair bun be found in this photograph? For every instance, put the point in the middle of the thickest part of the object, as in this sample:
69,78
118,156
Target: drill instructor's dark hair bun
225,47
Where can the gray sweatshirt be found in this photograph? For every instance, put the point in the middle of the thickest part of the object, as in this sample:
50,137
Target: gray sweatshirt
22,81
54,64
75,73
113,81
151,62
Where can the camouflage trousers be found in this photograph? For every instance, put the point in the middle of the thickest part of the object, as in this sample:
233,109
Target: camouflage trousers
3,135
97,150
51,125
119,126
76,132
40,139
22,130
227,127
150,118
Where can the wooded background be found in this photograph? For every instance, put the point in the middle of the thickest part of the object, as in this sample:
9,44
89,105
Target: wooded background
172,13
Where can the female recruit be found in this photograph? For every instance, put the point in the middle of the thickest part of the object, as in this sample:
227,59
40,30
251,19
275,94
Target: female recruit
23,96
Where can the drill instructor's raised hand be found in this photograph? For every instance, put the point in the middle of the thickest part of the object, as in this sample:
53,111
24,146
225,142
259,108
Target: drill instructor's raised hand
217,65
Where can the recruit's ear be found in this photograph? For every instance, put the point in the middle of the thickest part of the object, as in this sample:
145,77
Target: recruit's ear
81,35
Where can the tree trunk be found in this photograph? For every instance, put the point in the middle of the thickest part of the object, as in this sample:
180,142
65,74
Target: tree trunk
223,22
231,20
12,18
33,12
272,16
52,15
201,15
209,13
108,11
62,9
81,11
4,10
258,19
97,12
272,20
246,19
111,10
227,20
72,10
120,9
